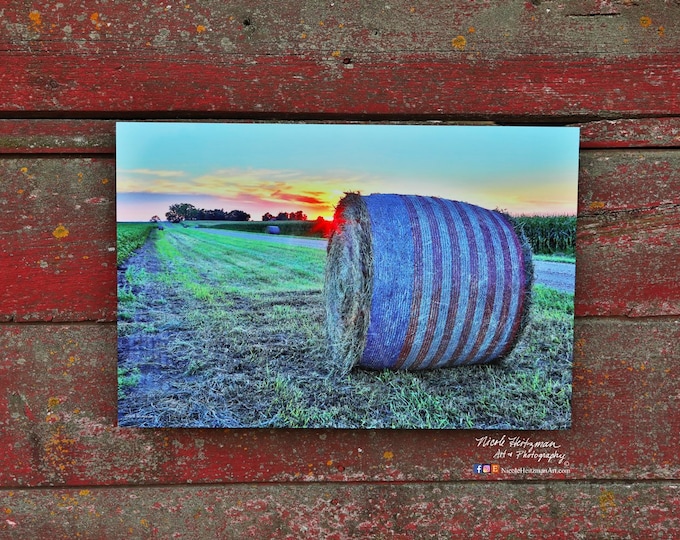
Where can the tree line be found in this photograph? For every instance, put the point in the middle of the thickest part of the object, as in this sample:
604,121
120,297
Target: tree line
185,211
285,216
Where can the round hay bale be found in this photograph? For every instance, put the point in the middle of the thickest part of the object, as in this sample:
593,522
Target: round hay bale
273,229
418,282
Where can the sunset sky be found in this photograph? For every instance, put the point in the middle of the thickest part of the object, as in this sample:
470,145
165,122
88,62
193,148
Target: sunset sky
272,168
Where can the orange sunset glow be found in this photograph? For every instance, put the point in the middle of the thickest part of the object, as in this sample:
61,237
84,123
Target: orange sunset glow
272,168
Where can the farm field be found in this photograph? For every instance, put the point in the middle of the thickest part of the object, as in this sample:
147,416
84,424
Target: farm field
222,331
551,237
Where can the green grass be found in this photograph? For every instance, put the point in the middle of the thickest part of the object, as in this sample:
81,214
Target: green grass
233,331
127,378
130,237
235,265
551,302
559,258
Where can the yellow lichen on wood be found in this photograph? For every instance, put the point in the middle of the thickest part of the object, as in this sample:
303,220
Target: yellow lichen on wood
53,402
60,232
36,19
459,42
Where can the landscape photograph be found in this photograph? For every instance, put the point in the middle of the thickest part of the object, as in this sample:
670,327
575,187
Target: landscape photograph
345,276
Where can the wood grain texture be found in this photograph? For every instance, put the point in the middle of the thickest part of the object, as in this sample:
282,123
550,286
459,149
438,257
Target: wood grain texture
629,208
514,59
58,240
58,405
627,133
574,510
37,137
68,70
59,231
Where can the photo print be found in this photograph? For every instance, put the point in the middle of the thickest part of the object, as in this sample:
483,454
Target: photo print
350,276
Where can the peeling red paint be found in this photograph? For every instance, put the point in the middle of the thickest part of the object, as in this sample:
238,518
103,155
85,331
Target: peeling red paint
66,469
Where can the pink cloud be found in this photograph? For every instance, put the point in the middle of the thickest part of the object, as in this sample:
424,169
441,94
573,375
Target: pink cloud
304,199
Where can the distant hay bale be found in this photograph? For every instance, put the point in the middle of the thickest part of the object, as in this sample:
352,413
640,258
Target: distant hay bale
273,229
420,282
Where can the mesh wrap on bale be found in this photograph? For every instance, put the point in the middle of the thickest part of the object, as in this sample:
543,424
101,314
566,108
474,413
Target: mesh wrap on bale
418,282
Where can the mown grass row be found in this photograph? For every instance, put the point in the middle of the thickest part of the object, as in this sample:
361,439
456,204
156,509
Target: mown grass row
131,236
292,228
549,235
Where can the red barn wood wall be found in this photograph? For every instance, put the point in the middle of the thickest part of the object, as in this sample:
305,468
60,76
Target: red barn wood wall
68,70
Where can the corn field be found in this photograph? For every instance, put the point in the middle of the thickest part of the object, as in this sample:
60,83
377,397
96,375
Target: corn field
550,234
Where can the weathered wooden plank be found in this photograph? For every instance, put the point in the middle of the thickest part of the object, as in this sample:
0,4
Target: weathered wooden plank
461,59
59,230
620,25
629,181
629,203
58,415
630,133
510,61
336,511
98,136
527,87
58,240
57,136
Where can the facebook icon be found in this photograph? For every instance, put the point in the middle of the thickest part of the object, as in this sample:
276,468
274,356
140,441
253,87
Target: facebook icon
477,468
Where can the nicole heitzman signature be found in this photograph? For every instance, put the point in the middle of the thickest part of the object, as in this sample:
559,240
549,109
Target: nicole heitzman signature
524,448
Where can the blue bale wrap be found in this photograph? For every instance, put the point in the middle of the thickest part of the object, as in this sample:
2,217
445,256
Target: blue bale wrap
448,283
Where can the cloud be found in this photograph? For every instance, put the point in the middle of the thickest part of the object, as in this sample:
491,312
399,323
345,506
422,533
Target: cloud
148,180
154,172
292,197
253,190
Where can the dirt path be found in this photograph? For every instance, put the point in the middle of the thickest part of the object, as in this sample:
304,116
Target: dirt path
145,332
560,276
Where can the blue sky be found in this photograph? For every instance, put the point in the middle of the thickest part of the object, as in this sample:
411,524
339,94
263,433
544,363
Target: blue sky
288,167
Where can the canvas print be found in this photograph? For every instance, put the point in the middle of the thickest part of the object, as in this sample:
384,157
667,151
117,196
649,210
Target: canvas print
351,276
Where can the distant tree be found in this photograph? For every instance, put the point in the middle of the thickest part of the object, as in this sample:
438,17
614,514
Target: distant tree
237,215
217,214
282,216
184,210
268,217
297,216
174,217
155,219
